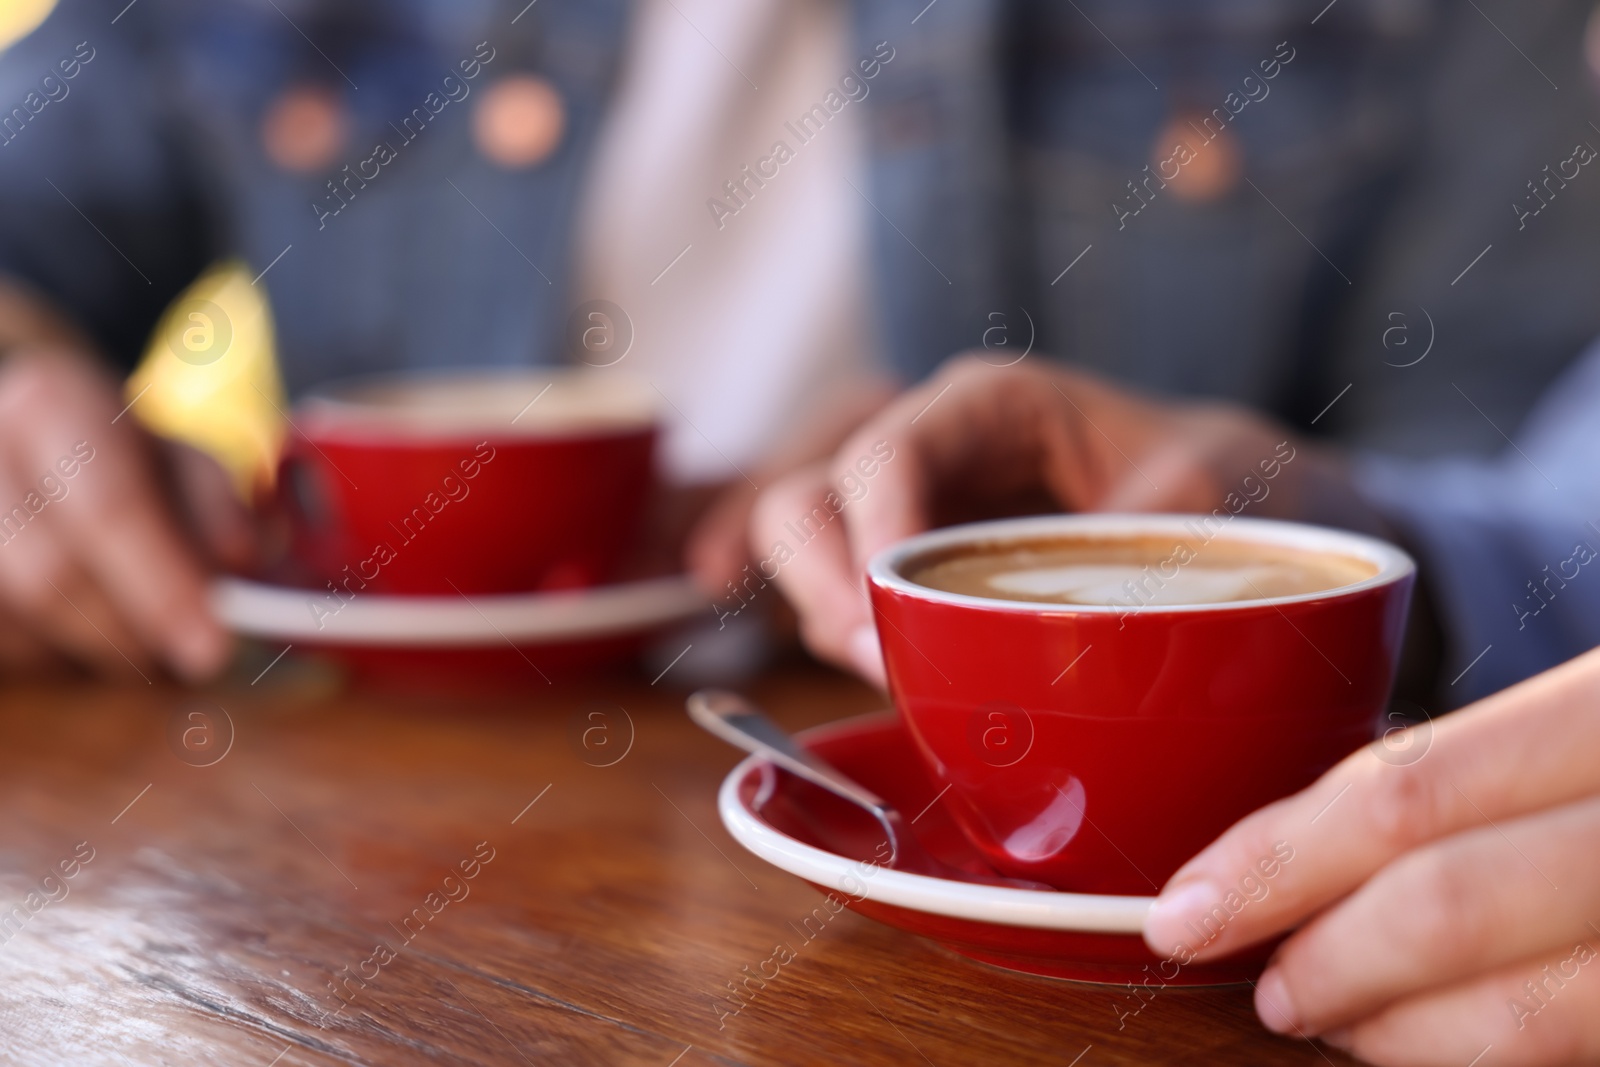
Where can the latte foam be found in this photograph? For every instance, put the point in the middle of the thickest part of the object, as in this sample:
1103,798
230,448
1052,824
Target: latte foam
1135,572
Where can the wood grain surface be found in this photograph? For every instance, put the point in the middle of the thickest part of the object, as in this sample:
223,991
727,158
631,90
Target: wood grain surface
291,874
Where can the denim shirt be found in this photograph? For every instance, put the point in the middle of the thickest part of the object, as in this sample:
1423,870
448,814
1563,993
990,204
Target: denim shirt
1389,157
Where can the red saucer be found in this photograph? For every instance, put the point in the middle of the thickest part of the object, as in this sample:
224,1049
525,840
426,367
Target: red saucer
830,843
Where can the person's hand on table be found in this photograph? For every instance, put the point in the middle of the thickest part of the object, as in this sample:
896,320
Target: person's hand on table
102,527
977,441
1447,896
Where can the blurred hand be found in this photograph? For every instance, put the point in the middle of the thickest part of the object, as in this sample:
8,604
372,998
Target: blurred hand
1450,897
100,527
977,442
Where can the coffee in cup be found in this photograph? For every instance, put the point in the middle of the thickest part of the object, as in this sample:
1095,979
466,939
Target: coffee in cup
1149,571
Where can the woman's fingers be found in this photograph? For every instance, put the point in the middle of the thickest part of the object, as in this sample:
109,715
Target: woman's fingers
1542,1012
892,504
1460,907
974,441
137,556
1522,750
817,527
798,539
100,521
43,589
882,485
55,603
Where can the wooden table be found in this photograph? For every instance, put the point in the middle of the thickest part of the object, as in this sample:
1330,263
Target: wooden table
607,909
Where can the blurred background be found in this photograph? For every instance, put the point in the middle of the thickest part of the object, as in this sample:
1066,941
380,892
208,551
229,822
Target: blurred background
1371,219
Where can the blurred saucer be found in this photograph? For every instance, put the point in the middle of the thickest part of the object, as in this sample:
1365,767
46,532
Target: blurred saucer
255,609
458,643
826,841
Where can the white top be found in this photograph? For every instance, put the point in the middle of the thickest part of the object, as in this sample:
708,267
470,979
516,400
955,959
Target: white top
763,318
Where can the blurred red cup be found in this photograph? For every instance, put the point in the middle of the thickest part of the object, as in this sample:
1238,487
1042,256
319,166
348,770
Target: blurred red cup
1096,748
469,482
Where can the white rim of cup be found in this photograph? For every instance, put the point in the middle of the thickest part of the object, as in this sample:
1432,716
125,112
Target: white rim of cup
1038,909
1392,562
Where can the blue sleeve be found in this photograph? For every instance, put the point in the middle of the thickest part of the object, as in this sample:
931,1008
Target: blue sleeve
102,210
1509,547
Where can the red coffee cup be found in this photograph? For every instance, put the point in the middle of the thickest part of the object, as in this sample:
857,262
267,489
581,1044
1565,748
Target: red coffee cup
469,481
1096,748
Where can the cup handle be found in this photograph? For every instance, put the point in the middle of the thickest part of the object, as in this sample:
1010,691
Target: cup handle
302,497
